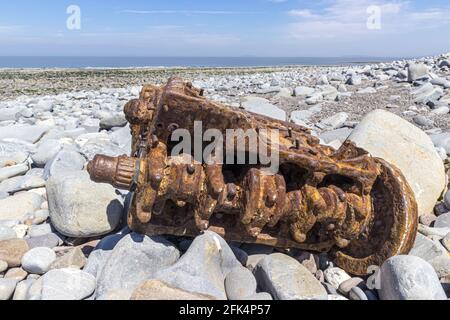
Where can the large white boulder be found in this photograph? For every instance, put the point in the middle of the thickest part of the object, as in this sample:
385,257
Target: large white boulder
387,136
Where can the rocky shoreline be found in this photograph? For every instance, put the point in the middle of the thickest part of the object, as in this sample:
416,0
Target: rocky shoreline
65,237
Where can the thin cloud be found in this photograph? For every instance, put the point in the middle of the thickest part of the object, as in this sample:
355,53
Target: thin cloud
190,12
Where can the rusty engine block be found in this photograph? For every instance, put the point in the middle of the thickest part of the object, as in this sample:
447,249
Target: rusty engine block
356,207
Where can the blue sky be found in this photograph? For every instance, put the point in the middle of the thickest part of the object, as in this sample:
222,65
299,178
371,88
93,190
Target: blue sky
225,28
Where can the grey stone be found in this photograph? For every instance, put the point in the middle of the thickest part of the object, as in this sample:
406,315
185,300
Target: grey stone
22,183
117,120
46,151
38,260
303,91
81,208
357,294
423,121
101,253
240,283
74,258
432,252
65,161
11,158
253,260
417,71
444,63
259,296
443,221
22,289
16,273
27,133
409,278
148,254
15,207
339,134
39,230
67,284
442,140
6,233
34,292
394,139
314,98
203,268
37,217
7,287
336,276
286,279
264,107
12,171
333,122
348,284
49,240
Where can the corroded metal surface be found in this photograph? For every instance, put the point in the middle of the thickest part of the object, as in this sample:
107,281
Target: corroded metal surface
358,208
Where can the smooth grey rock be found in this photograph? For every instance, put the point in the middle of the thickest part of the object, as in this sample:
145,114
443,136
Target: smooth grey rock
7,287
22,289
117,120
442,140
65,161
7,233
259,296
27,133
433,232
443,221
389,137
314,98
240,283
101,253
12,171
15,207
333,122
264,107
39,230
339,134
11,158
49,240
417,71
357,294
303,91
46,151
38,260
122,137
203,268
82,208
335,276
423,121
286,279
67,284
21,183
37,217
409,278
432,252
148,255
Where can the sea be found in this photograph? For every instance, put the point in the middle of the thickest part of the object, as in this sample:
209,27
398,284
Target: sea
185,62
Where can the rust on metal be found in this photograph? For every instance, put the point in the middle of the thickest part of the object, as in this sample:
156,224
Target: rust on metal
357,207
